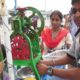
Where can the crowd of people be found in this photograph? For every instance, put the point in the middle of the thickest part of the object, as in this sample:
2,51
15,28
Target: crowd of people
51,37
55,37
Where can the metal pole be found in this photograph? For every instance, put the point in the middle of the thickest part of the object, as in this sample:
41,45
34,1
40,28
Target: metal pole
45,5
15,6
8,49
7,45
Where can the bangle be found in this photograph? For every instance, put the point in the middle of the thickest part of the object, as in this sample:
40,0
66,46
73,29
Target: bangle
53,62
53,71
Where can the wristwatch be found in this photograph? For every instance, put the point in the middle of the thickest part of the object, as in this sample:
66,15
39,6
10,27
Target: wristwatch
49,70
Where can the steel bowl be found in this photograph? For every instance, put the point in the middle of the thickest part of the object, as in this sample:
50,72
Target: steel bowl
25,72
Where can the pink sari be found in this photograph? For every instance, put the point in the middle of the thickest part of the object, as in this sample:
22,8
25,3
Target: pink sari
47,37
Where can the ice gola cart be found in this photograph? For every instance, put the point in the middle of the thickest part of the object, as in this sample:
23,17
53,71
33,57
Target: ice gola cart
25,41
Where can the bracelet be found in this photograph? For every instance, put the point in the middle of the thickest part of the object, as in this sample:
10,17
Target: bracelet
53,62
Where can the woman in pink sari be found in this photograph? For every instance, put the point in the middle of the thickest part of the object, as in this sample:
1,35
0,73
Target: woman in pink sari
56,37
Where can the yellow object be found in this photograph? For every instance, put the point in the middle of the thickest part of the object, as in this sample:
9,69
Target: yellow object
2,8
29,79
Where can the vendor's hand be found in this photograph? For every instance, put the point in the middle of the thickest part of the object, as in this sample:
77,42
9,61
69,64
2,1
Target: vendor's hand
47,62
1,67
42,68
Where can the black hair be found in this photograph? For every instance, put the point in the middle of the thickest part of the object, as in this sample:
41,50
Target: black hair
74,1
56,12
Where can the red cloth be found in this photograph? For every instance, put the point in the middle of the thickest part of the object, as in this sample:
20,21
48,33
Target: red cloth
47,37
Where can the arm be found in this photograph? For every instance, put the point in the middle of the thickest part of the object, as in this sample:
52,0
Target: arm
63,73
1,67
2,54
66,59
72,74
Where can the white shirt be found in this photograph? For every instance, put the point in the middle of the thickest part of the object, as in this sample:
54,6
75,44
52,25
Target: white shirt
74,28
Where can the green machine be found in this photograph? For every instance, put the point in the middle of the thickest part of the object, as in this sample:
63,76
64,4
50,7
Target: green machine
2,58
25,39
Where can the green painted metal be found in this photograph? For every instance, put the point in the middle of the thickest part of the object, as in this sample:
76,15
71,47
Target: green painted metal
26,21
1,54
22,26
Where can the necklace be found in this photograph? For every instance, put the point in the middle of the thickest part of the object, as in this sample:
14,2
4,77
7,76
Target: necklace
55,33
